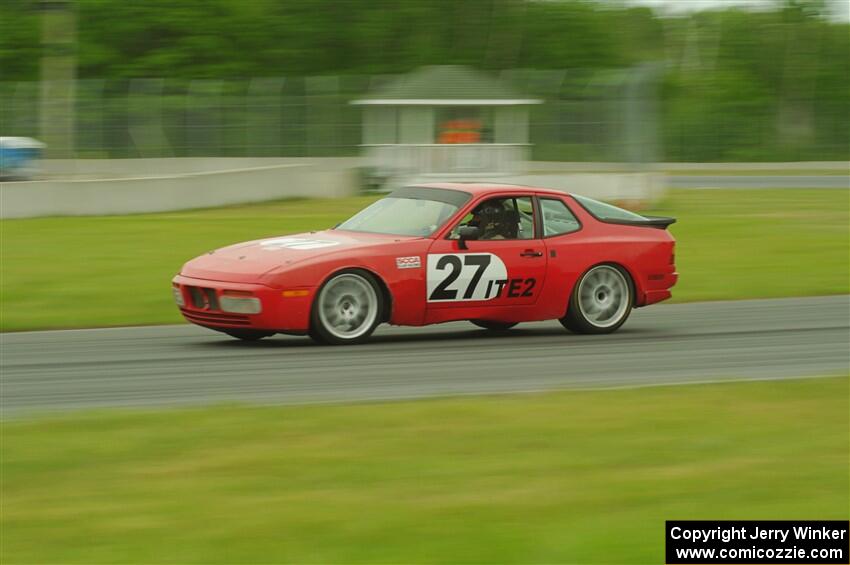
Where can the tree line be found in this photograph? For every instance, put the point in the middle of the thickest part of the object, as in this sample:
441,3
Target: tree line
736,85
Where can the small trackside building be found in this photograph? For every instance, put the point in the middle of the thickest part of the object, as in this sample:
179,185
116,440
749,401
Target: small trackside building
445,120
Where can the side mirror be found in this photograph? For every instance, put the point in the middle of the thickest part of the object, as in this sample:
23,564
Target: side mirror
467,233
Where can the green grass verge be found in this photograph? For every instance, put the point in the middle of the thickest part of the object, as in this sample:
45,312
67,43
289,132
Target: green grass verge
579,477
734,244
758,172
99,271
116,270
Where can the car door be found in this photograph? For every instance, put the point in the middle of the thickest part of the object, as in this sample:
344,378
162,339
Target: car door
505,267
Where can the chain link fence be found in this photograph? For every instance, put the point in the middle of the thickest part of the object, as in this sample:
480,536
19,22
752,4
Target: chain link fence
586,115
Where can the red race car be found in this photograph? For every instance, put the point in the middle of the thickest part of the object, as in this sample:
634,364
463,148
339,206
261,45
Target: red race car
495,255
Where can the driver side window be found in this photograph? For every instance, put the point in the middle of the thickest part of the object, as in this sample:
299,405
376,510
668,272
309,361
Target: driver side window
501,218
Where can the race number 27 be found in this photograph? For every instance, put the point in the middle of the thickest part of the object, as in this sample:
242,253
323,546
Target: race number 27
458,277
453,265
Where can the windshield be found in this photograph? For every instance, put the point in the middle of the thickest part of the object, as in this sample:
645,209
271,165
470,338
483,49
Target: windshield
407,211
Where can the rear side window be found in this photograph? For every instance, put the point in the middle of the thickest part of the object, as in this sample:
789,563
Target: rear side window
603,211
557,218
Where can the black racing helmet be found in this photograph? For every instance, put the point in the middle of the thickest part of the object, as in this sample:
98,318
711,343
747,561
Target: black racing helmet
493,217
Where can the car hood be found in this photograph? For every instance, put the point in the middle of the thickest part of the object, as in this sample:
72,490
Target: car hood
249,261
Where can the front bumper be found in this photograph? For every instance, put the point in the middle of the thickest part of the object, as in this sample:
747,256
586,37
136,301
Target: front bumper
283,310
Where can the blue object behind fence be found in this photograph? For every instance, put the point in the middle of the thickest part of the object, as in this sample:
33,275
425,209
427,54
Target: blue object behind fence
18,156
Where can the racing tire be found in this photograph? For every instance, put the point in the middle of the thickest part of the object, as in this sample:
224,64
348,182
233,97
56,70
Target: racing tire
494,326
601,301
248,335
347,308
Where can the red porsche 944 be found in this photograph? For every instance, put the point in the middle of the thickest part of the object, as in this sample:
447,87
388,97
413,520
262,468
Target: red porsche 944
495,255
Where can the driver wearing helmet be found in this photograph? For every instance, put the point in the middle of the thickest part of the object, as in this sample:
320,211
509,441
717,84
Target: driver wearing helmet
493,220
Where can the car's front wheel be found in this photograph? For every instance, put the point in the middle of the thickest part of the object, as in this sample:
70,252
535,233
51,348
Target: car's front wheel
601,301
347,309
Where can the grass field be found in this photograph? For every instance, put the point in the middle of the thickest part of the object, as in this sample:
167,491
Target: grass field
100,271
580,477
734,244
759,172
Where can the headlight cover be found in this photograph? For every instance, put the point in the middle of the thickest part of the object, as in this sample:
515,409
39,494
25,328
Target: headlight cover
178,296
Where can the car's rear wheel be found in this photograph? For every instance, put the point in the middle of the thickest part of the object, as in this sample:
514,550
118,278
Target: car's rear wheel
494,326
347,309
601,301
248,335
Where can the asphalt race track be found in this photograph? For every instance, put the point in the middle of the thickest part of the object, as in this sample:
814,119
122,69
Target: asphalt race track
184,365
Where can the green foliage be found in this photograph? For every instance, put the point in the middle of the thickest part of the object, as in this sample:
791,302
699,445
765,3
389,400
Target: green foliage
235,38
19,43
717,117
739,85
227,38
765,85
572,477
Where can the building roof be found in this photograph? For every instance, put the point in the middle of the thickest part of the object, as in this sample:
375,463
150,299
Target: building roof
446,85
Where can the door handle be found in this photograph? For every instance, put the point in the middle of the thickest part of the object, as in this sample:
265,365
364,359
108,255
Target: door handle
531,253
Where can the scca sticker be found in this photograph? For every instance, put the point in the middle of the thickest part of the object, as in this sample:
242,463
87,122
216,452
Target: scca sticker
472,276
296,243
413,262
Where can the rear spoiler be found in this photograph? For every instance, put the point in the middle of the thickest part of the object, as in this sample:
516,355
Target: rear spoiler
660,222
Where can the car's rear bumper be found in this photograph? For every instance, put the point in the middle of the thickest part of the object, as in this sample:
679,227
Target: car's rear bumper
283,310
658,288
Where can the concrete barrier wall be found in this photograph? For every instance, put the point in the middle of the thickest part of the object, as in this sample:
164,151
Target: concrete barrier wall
89,187
639,187
131,168
167,192
618,187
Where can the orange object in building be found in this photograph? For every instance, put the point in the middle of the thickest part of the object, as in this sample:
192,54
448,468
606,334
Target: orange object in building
460,131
